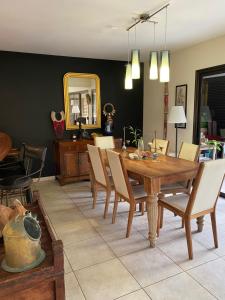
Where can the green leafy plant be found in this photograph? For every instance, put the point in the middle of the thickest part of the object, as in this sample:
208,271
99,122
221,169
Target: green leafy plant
216,144
135,135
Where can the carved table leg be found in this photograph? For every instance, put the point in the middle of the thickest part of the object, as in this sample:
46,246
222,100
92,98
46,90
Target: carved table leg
152,189
200,223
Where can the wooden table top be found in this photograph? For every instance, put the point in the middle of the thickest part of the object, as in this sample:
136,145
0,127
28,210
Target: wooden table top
165,167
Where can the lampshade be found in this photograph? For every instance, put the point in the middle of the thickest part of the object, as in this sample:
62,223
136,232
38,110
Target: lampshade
135,61
128,78
75,109
177,115
164,67
153,65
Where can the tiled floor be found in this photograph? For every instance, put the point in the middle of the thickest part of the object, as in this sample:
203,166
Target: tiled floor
101,264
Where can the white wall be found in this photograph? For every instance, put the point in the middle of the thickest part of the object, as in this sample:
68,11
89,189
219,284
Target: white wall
184,63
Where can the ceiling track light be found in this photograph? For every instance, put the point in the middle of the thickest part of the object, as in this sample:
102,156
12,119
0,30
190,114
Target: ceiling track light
133,68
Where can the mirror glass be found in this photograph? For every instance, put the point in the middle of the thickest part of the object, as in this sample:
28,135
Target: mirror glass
82,100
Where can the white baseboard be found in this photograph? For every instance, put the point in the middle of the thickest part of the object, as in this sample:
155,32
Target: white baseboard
47,178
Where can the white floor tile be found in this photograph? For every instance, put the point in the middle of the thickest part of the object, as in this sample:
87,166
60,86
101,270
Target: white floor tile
107,280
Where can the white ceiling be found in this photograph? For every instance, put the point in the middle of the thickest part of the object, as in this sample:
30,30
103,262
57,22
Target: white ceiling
96,28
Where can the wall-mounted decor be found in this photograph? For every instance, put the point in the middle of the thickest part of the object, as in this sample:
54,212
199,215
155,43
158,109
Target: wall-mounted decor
109,111
58,123
181,100
82,100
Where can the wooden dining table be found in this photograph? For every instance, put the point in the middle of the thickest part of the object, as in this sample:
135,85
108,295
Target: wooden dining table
155,173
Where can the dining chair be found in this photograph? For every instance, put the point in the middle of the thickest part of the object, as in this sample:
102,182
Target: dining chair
133,194
188,152
100,176
20,183
201,201
104,142
160,145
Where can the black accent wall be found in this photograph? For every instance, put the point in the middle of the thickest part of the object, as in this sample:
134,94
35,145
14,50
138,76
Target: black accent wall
31,86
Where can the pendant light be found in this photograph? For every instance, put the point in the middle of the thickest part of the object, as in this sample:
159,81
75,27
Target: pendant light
164,66
153,61
135,59
128,83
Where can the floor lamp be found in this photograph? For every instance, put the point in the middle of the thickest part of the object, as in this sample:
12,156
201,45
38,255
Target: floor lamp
176,115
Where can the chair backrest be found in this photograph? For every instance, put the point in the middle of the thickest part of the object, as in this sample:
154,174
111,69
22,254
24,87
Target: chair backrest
97,165
207,186
119,174
34,159
189,151
104,142
160,145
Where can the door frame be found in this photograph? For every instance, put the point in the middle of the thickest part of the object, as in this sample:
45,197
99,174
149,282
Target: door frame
199,74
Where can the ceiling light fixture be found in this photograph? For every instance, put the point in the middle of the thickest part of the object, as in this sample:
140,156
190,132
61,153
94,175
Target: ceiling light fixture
165,67
153,61
133,68
128,84
135,59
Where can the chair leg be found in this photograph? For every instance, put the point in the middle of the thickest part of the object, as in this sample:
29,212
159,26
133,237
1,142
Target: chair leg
6,198
94,195
142,208
182,224
214,229
108,194
188,237
115,208
161,219
130,220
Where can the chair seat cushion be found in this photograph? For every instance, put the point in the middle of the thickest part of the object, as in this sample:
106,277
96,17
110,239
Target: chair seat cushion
138,191
14,182
179,201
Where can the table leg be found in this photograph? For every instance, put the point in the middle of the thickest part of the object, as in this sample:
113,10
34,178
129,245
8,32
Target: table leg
152,188
152,210
200,223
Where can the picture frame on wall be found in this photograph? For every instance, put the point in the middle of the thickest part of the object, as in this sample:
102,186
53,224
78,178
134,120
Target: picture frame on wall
181,99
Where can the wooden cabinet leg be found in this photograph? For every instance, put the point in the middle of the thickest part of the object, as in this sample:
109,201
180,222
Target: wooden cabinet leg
200,223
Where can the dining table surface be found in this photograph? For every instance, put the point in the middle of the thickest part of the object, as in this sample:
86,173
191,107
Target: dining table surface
155,173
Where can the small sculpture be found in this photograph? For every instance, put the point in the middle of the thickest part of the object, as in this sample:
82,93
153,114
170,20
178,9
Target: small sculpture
8,213
109,111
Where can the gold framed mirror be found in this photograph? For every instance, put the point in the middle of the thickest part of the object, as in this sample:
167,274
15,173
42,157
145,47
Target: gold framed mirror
82,100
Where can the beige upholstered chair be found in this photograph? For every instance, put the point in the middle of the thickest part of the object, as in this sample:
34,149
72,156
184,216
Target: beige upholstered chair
99,176
200,202
104,142
160,145
188,152
123,188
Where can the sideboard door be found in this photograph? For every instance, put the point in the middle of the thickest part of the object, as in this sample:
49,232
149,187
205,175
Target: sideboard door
84,167
71,167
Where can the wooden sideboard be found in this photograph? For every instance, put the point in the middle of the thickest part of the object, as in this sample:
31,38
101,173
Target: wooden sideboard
71,159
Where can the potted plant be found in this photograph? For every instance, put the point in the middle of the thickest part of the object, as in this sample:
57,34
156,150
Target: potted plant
135,135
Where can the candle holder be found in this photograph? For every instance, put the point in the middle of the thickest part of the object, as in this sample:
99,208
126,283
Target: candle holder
154,148
124,138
